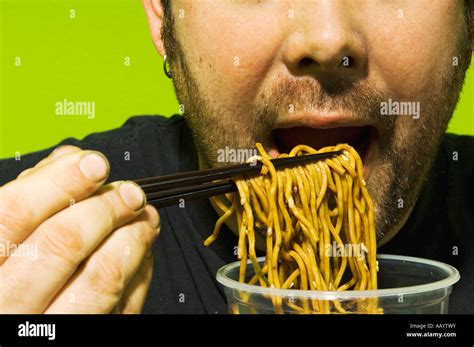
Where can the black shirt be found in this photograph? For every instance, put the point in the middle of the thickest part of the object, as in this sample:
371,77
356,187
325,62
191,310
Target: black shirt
441,227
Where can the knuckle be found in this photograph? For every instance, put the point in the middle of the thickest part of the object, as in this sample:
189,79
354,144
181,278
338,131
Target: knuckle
10,226
62,241
74,174
143,233
24,173
107,275
61,190
68,177
109,207
154,217
59,152
112,205
133,304
66,148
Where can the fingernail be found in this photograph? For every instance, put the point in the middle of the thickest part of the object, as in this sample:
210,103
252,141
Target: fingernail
94,166
132,195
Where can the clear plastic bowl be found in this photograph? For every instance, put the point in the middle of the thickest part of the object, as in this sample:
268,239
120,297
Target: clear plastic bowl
406,285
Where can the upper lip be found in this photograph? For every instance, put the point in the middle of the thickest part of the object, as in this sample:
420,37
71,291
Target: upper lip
347,122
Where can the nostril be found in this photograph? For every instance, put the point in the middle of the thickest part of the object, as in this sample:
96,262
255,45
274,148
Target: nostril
345,62
305,62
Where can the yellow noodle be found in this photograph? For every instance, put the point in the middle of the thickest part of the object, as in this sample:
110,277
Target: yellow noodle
311,214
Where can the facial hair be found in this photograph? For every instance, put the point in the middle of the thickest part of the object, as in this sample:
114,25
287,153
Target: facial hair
407,146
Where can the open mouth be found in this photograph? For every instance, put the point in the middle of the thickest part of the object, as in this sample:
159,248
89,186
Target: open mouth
361,138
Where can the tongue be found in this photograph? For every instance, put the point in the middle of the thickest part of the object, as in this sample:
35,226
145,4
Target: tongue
286,139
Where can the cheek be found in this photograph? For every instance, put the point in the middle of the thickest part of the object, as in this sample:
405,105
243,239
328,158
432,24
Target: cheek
231,54
410,54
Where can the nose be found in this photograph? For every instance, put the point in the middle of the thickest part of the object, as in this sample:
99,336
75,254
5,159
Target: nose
324,41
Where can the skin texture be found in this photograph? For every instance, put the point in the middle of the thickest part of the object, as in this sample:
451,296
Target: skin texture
238,65
92,241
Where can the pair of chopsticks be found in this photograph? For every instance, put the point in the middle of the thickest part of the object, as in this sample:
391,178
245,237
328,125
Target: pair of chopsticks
162,191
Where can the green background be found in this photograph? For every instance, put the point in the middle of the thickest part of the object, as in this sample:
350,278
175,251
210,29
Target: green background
83,59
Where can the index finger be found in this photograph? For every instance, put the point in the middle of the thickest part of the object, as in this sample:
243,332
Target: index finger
28,201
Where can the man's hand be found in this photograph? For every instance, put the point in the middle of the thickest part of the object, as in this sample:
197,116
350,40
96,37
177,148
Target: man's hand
93,241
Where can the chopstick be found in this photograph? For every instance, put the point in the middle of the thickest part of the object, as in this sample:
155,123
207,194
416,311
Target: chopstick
205,190
162,191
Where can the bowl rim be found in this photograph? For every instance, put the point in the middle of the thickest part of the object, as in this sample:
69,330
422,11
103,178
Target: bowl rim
452,276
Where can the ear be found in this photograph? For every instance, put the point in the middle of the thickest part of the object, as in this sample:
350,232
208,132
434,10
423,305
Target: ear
154,13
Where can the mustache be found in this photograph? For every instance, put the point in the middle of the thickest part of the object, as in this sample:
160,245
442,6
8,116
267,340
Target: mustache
305,95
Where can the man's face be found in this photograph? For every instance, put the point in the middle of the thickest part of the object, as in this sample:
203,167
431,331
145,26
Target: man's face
383,76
